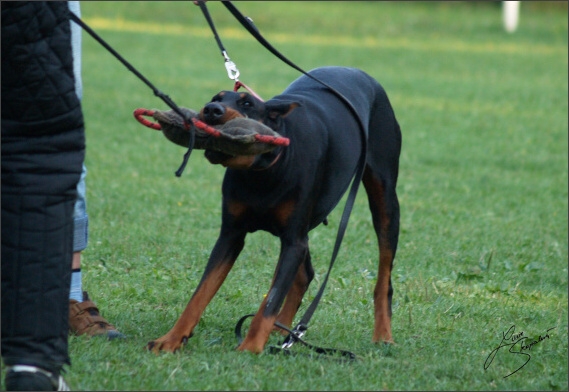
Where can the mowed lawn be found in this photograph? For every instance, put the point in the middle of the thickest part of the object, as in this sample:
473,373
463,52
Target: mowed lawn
482,187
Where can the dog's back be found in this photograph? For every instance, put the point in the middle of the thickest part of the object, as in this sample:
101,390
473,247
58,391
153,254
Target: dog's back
324,129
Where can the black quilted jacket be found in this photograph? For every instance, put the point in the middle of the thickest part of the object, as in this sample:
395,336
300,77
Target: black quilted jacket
38,86
42,152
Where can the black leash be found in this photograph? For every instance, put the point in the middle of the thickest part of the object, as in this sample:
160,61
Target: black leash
295,335
158,93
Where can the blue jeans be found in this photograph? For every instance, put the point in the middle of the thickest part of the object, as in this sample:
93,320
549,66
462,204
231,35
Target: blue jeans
80,217
81,220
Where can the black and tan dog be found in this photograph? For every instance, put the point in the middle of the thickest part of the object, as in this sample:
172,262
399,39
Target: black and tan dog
291,190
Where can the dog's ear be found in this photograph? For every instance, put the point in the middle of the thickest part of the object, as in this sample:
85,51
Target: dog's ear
276,107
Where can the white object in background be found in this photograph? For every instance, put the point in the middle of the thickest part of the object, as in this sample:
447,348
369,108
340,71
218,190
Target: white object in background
510,15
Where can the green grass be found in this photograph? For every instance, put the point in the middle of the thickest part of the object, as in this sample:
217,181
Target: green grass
482,187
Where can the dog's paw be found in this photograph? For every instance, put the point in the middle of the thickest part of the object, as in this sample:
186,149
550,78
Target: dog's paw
253,345
382,332
385,340
166,343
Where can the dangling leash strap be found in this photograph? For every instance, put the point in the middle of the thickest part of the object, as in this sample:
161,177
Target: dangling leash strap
299,330
158,93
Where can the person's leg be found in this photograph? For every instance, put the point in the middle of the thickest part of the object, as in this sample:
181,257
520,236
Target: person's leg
43,147
81,220
84,316
80,238
37,232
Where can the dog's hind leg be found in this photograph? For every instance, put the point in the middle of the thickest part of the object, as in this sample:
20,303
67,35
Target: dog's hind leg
223,256
384,208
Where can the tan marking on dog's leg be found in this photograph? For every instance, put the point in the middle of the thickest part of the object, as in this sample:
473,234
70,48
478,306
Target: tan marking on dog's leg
259,332
382,329
376,197
293,299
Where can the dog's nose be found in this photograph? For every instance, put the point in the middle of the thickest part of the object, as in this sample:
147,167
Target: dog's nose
213,112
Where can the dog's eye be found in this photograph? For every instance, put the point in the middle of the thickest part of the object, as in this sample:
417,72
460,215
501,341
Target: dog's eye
246,104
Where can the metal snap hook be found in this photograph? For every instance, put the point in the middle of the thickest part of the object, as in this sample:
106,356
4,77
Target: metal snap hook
232,71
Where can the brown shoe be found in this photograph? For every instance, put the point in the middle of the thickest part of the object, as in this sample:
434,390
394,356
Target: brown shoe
84,319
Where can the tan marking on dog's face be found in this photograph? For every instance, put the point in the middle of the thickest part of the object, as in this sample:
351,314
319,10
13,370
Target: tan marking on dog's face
230,114
239,162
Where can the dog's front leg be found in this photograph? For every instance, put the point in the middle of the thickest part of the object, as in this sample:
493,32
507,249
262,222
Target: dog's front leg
294,297
223,256
293,253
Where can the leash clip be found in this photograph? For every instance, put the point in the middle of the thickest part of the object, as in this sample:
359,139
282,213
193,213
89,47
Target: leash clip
232,71
298,332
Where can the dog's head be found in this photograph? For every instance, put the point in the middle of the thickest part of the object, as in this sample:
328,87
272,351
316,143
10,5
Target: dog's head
228,105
